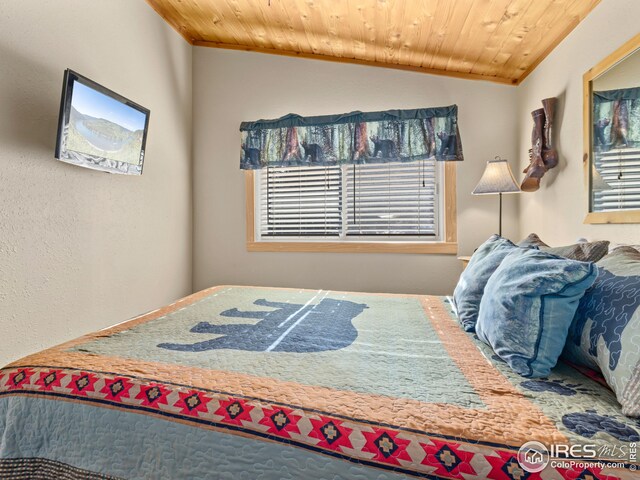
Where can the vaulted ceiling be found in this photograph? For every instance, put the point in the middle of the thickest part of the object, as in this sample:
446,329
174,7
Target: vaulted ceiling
497,40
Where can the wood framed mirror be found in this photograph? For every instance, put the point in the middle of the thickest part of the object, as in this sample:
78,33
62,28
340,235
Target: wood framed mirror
612,136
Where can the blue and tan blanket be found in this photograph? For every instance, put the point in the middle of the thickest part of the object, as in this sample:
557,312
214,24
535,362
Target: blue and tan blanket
247,382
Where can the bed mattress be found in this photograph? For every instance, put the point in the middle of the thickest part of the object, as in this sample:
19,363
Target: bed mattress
249,382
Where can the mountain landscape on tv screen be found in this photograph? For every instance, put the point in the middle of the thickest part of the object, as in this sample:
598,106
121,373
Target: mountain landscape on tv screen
103,138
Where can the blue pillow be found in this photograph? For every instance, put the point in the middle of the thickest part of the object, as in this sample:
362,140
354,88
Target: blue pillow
470,288
605,333
527,308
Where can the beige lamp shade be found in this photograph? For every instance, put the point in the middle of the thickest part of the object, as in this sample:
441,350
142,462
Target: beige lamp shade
497,178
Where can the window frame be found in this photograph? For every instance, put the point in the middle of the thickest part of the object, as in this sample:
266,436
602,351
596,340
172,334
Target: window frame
448,226
606,216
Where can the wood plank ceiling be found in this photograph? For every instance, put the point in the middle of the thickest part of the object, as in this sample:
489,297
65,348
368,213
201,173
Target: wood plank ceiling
497,40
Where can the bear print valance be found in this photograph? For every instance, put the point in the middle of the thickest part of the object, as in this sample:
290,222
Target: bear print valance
356,137
616,118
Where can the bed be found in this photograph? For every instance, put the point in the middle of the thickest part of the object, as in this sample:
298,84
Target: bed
249,382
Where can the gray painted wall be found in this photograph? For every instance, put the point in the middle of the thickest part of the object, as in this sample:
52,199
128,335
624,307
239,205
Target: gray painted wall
79,249
231,86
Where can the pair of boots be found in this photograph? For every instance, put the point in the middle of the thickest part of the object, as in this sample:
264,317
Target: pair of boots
542,156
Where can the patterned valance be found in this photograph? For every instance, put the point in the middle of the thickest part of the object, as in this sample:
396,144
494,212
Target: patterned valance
616,118
620,94
356,137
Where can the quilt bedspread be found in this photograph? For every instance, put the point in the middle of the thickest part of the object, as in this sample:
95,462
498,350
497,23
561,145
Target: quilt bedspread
249,382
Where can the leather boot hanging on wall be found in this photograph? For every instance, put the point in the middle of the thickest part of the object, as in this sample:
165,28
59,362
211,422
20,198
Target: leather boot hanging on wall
536,169
549,154
542,156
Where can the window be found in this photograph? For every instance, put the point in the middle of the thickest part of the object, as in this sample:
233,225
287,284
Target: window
388,207
392,199
620,170
300,202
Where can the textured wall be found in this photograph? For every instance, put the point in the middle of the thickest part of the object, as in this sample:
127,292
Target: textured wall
557,210
79,249
230,87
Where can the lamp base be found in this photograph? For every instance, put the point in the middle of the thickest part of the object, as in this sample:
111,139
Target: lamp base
500,216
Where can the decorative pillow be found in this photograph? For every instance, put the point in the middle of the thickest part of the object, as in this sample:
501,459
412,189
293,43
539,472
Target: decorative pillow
470,288
605,332
582,251
615,246
533,240
527,308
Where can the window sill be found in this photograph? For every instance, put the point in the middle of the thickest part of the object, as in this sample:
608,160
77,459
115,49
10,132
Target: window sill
446,248
620,216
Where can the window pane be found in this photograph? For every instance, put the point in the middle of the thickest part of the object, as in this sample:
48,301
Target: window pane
620,169
341,203
391,199
301,201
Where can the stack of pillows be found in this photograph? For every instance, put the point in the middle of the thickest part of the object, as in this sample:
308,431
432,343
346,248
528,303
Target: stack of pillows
532,303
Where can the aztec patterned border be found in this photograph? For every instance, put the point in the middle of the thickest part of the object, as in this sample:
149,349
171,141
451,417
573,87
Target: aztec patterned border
410,453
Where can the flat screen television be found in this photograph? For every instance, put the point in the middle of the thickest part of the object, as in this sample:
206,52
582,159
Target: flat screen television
100,129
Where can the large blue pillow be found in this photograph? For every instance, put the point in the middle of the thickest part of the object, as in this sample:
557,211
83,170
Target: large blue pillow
527,308
605,332
470,288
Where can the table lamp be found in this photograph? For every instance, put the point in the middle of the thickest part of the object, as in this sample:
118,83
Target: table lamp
497,178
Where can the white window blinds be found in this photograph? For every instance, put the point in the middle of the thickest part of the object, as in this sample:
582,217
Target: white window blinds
391,199
301,201
350,202
620,169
